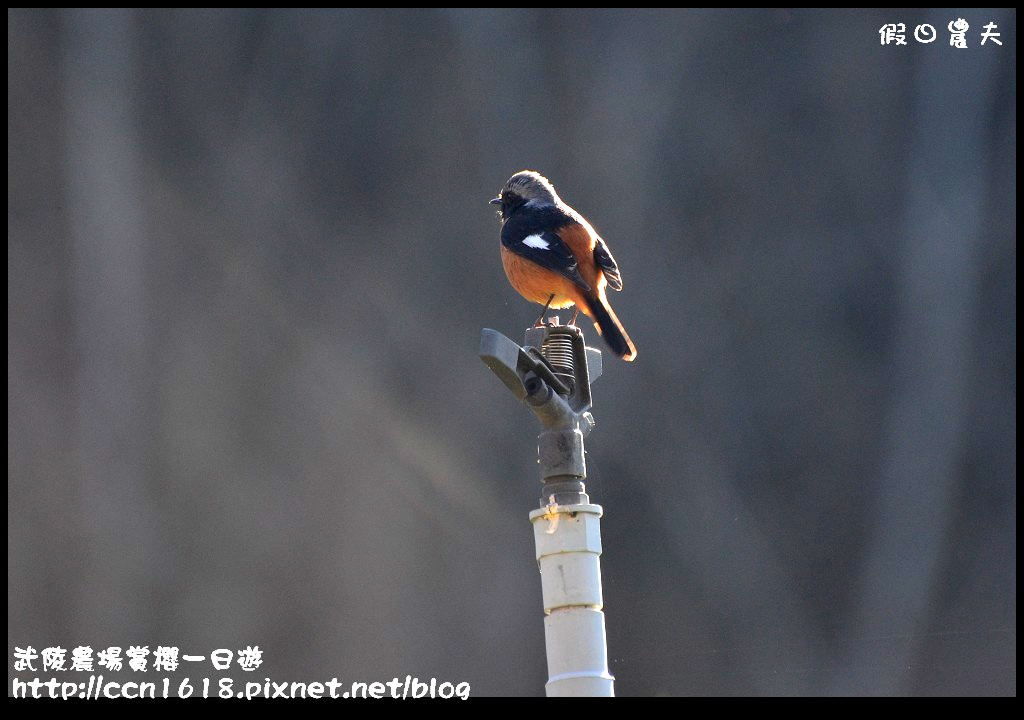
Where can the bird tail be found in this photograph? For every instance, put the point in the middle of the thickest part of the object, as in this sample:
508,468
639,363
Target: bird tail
611,329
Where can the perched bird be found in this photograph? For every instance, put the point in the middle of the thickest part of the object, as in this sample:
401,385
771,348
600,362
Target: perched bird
553,257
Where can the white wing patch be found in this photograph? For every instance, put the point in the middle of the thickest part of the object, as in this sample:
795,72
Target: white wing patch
536,241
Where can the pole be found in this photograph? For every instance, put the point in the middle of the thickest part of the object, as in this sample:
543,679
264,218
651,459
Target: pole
552,375
568,539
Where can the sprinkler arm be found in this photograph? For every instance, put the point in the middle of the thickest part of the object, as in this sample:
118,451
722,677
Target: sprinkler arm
515,366
562,404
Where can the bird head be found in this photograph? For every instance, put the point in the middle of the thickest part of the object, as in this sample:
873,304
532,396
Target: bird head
525,187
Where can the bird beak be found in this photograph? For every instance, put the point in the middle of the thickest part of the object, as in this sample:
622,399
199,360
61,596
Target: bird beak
495,201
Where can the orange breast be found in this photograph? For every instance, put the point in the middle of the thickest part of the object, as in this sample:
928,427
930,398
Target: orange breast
537,284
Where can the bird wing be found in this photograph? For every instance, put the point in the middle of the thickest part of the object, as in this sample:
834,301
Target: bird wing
605,261
546,248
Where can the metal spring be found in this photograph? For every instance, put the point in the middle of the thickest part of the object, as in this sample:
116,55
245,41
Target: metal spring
557,350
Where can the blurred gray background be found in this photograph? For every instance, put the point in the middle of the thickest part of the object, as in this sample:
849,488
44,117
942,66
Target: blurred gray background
250,255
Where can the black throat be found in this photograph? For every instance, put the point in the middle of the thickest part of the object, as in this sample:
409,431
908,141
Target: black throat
510,202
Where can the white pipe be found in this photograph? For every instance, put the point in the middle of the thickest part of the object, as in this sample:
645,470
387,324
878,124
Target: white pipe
568,540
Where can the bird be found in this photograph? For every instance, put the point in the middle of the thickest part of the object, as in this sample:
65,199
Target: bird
553,257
